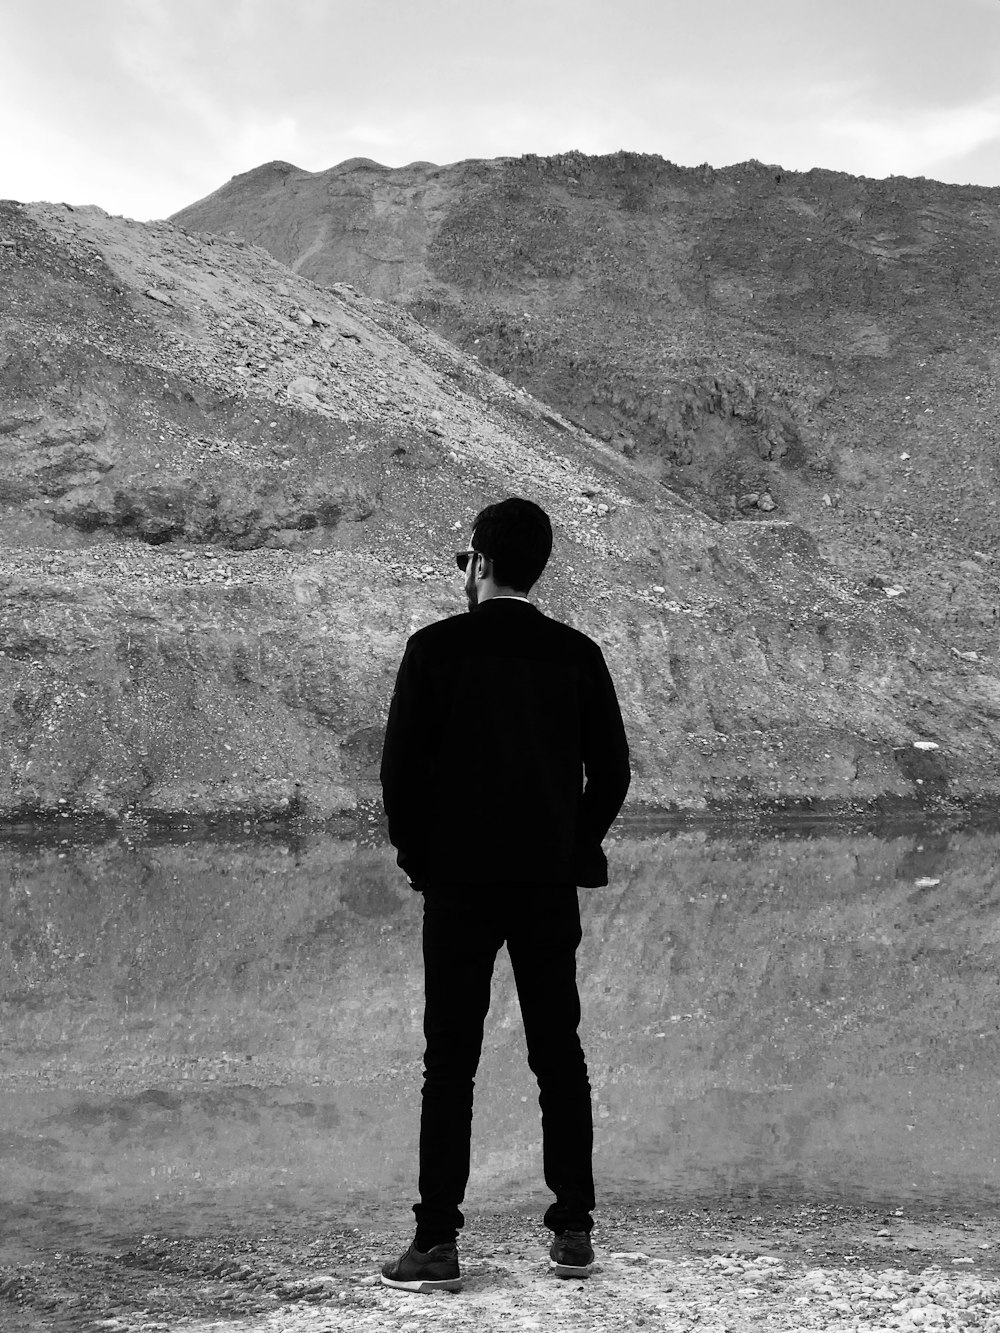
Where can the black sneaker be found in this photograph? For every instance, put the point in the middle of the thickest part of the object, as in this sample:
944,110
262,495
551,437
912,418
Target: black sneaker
437,1270
572,1255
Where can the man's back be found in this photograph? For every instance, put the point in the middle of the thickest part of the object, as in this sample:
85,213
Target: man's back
497,716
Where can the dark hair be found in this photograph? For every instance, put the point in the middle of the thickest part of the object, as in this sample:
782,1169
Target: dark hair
517,536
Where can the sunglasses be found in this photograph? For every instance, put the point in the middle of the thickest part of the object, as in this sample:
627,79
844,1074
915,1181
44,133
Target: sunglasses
462,558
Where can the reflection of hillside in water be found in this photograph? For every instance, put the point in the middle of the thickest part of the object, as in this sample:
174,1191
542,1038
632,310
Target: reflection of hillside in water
809,1012
791,1013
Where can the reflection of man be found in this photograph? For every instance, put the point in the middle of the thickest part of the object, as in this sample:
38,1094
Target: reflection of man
496,719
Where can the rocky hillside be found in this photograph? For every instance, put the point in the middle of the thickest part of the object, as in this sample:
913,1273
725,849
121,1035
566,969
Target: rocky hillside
814,347
227,495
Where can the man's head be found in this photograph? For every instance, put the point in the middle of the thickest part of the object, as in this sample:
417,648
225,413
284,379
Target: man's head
512,542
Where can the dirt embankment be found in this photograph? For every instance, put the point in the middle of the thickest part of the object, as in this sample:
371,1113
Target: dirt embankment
230,495
812,346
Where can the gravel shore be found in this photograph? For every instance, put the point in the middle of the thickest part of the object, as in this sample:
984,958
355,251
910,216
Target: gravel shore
714,1270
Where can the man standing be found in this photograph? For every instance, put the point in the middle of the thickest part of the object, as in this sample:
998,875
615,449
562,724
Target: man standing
505,763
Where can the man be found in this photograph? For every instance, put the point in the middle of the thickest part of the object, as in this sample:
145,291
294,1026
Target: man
496,720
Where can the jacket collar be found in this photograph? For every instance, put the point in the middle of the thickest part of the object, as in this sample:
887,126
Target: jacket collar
516,601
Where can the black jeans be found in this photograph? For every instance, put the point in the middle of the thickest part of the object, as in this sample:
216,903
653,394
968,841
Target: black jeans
464,929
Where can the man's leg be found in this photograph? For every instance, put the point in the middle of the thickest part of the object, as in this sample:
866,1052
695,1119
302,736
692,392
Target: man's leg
543,937
460,947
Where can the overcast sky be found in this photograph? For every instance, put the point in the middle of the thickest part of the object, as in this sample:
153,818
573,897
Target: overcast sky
143,106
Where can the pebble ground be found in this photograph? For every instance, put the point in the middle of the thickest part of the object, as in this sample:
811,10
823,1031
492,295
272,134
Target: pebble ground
714,1270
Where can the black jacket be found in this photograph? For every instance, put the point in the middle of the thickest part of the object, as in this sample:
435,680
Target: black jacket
497,717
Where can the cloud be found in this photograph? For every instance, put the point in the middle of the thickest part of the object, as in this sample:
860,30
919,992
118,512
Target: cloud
979,165
911,144
914,54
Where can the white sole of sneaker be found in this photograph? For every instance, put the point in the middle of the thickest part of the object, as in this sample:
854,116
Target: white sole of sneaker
568,1270
424,1286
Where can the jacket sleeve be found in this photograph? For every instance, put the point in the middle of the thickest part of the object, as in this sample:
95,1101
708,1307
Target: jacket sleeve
405,768
605,753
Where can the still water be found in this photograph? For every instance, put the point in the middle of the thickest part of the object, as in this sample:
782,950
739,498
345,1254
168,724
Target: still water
803,1013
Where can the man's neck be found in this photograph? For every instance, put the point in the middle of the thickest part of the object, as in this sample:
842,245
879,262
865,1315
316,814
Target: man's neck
495,594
